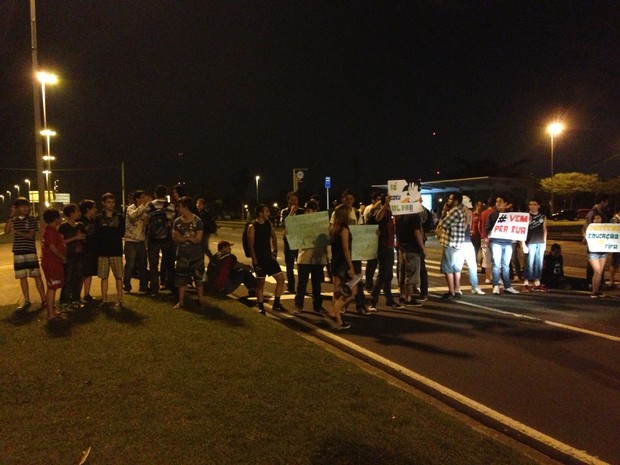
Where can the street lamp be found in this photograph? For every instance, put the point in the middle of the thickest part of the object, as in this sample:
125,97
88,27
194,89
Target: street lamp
46,78
16,186
257,179
27,181
48,158
9,192
553,129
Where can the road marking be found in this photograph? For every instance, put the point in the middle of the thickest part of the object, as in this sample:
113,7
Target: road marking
471,404
540,320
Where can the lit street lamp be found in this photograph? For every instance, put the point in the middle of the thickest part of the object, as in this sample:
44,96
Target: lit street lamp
27,181
553,129
9,192
47,79
257,179
16,186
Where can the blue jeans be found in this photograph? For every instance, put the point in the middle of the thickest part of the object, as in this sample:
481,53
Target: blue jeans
534,264
385,259
469,255
502,253
135,255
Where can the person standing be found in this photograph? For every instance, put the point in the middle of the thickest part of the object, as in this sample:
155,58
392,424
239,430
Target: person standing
534,248
25,260
501,249
342,266
88,210
135,241
160,213
53,258
73,234
290,256
487,255
263,248
411,249
190,263
469,250
601,203
210,226
615,257
109,232
368,217
451,237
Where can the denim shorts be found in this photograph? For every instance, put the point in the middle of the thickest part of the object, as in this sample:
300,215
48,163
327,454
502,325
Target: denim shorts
596,255
452,260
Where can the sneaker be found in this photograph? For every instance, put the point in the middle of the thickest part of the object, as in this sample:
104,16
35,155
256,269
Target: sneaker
261,311
447,296
88,298
319,310
279,308
344,325
458,294
23,307
598,295
422,298
487,281
178,306
413,303
477,291
372,308
541,288
396,306
527,288
511,290
118,304
495,289
362,311
298,310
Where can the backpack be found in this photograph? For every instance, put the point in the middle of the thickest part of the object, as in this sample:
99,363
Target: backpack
210,224
159,225
427,220
244,240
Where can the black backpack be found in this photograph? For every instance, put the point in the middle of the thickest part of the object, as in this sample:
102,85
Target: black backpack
159,225
244,240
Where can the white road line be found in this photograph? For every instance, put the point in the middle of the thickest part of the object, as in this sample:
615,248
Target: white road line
514,425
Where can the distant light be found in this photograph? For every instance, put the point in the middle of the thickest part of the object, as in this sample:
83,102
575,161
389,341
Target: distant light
275,204
555,128
257,178
49,157
47,78
47,132
47,172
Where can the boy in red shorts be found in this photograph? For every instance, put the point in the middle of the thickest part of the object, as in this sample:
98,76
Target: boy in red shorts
54,256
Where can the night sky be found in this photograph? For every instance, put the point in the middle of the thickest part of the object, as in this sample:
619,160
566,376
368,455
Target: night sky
359,91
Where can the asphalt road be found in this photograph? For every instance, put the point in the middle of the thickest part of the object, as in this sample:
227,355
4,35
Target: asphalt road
548,361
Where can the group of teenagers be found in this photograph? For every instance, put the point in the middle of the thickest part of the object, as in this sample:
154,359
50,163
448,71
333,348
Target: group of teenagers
167,231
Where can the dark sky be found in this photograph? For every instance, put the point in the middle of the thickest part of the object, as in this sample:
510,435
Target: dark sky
359,91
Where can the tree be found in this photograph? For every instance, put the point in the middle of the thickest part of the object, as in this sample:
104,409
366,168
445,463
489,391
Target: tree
569,184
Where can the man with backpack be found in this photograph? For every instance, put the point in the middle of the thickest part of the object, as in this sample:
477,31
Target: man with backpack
225,273
210,226
160,213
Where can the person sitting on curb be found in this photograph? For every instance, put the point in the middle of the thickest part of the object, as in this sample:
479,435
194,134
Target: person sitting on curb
225,273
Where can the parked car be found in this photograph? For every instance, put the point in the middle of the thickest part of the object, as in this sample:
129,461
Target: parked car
583,212
570,215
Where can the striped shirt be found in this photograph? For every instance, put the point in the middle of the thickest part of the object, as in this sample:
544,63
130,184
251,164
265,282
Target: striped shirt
24,245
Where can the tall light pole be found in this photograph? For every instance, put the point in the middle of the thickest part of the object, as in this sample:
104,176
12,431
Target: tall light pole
27,181
257,179
48,157
45,79
9,192
16,186
553,129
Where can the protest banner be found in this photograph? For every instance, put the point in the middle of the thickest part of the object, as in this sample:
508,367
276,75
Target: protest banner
603,237
307,231
405,197
365,242
512,226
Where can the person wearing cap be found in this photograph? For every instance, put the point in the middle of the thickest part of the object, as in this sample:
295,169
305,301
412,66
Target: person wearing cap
534,248
451,237
226,274
469,251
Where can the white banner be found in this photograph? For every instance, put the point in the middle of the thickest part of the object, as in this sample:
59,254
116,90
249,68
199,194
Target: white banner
405,197
603,237
511,225
307,231
365,242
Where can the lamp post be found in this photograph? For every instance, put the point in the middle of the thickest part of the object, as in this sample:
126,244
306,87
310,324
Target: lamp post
16,186
257,179
9,192
553,129
27,181
45,79
48,157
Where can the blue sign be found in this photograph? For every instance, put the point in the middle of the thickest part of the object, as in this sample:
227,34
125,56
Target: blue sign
328,182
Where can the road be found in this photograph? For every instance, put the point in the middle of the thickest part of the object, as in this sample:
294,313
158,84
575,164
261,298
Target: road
550,361
547,363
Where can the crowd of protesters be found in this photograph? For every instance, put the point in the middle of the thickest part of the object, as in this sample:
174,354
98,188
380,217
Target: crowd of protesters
164,239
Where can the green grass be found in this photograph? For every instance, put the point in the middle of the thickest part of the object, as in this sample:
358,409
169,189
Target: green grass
222,385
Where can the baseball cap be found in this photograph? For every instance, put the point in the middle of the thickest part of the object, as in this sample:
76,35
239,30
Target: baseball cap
222,244
467,202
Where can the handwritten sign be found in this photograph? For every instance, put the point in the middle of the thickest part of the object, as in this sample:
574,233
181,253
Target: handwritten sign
365,242
511,225
307,231
603,237
405,197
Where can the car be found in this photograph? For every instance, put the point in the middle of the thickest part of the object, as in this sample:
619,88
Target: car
583,212
570,215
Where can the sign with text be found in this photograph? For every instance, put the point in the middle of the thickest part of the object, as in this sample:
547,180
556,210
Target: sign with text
511,225
365,242
405,197
307,231
603,237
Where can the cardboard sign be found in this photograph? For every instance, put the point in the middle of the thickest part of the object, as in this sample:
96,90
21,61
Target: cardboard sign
365,242
603,237
511,225
405,197
307,231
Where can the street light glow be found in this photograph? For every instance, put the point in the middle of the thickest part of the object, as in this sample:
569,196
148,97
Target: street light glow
47,78
555,128
48,132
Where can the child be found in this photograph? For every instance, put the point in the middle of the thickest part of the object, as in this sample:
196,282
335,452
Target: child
25,260
88,209
53,258
187,232
74,234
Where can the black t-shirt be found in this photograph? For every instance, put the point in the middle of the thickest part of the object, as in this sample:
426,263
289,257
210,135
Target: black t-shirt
262,240
406,225
69,232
